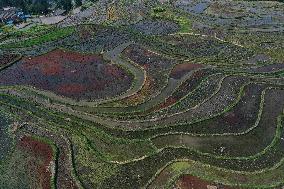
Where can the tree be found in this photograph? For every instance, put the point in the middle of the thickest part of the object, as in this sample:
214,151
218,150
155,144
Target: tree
40,7
4,3
78,3
65,4
31,6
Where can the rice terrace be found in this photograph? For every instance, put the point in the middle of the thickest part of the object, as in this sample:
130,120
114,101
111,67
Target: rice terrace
130,94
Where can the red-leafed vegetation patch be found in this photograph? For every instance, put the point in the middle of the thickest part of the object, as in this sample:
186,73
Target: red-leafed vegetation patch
140,96
71,88
170,101
182,69
192,182
39,160
70,74
185,88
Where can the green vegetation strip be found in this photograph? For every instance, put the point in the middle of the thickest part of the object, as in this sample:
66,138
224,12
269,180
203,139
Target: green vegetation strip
57,33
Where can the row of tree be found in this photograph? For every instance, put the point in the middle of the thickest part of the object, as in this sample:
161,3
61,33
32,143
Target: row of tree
40,6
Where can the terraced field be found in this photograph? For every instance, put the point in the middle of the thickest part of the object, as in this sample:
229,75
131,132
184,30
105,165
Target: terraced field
190,94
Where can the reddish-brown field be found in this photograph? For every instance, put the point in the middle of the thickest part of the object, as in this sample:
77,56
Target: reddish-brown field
182,69
70,74
39,161
169,101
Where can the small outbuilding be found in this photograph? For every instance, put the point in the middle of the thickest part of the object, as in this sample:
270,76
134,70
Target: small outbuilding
12,15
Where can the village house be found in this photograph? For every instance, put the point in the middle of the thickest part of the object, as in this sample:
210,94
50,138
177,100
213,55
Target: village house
12,15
